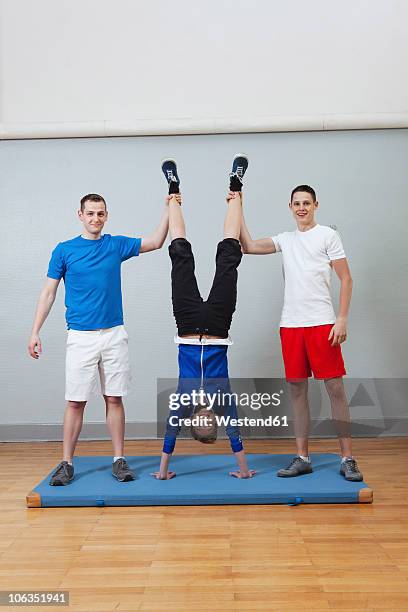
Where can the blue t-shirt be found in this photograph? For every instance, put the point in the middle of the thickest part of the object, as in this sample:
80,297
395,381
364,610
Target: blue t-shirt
91,273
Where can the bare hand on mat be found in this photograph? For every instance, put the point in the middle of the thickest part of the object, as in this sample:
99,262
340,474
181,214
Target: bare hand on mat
239,474
159,476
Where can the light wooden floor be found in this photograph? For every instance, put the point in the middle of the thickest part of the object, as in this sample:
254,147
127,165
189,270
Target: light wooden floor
211,558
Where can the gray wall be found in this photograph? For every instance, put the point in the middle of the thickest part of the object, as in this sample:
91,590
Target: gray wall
361,181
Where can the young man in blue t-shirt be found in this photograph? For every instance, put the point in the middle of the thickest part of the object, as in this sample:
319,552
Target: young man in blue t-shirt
97,342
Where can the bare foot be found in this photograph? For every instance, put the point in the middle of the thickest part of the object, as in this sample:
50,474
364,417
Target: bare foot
239,474
167,476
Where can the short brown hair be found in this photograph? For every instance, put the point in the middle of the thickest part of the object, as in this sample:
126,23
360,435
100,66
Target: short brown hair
306,188
91,197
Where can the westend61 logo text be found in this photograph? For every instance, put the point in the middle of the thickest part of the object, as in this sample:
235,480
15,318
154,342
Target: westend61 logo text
200,397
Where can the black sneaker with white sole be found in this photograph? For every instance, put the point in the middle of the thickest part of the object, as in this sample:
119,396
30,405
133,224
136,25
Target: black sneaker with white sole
239,167
297,467
121,470
63,474
169,168
349,469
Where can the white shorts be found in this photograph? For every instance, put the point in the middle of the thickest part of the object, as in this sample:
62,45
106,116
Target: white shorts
103,351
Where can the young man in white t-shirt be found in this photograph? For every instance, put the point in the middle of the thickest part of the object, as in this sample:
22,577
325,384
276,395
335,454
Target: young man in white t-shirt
310,332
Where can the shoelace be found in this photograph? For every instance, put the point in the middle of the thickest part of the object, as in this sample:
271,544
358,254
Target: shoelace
294,461
351,465
61,469
122,465
240,171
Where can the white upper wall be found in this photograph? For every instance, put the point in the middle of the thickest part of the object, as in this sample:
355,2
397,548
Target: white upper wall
96,67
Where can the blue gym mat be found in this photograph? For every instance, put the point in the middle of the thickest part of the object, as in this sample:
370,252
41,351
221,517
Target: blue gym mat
201,480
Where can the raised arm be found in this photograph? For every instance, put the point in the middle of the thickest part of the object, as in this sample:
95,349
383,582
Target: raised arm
44,305
261,246
156,240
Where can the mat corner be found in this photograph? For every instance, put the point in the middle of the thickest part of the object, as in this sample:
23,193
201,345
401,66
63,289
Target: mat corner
365,496
33,500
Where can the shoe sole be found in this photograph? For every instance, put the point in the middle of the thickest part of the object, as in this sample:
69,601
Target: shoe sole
240,155
168,159
293,475
61,484
243,156
125,479
351,479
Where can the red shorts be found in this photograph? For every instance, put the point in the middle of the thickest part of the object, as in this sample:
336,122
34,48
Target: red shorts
307,349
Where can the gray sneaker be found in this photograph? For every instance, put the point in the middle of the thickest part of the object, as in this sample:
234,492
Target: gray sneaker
62,475
349,469
121,470
296,467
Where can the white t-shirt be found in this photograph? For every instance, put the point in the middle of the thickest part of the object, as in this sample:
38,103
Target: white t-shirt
307,272
204,341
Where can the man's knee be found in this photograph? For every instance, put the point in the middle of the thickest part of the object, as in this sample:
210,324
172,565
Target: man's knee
76,405
113,400
298,388
180,247
230,250
335,387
